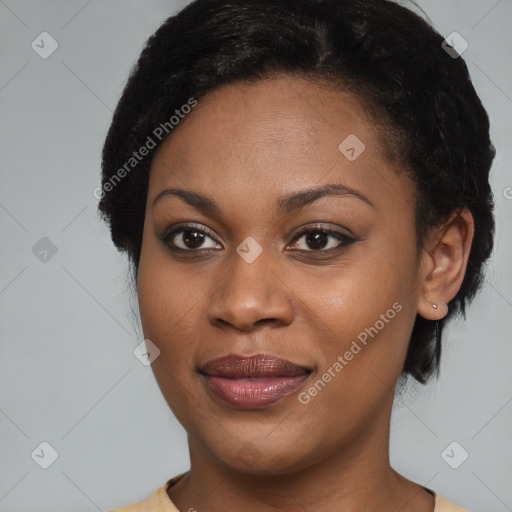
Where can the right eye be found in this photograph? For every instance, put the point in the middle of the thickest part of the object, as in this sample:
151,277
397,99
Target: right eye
189,238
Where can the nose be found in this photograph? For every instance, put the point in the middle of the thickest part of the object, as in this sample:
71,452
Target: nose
250,295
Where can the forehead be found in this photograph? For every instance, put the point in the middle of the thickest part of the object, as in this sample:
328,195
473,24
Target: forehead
275,135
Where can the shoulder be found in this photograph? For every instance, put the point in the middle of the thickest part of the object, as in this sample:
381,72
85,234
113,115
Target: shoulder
159,501
443,505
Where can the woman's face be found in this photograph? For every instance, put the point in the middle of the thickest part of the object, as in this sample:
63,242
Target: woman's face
243,278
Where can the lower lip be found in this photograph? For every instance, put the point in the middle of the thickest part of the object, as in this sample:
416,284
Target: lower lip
255,393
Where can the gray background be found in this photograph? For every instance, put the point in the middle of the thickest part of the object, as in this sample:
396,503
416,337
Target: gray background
67,372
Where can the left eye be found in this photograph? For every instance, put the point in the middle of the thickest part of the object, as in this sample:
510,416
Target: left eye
317,240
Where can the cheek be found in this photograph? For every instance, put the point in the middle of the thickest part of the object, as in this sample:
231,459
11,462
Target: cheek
166,298
354,295
166,304
361,340
166,291
364,312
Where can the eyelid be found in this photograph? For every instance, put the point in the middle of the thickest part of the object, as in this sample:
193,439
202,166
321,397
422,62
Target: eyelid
343,240
177,228
321,226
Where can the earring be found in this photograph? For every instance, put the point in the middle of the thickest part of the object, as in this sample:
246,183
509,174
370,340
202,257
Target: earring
436,307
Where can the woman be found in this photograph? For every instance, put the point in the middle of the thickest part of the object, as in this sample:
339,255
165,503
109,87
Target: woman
302,190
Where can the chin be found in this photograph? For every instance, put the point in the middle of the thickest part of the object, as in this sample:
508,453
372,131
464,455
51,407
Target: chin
263,458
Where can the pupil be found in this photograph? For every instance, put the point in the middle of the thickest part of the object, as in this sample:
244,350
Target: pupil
194,238
315,240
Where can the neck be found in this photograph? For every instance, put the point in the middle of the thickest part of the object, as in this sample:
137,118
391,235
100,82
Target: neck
355,476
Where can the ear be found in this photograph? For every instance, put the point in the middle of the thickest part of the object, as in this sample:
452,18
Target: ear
443,265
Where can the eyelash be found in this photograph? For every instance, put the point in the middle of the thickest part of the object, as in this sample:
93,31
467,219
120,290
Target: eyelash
344,240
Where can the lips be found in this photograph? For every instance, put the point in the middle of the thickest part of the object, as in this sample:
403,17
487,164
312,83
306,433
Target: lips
252,382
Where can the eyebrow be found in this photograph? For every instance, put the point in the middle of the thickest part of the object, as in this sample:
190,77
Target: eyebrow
285,204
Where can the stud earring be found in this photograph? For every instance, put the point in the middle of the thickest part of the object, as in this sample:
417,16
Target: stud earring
436,307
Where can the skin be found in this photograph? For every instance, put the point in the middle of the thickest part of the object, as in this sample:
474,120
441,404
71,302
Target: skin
246,146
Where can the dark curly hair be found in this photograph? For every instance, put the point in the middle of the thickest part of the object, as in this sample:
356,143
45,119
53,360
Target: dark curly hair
429,117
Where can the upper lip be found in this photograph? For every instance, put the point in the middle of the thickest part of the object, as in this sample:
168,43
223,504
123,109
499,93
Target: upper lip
259,365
